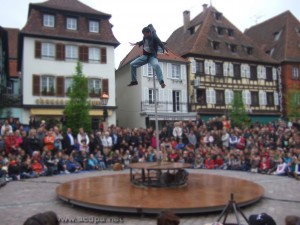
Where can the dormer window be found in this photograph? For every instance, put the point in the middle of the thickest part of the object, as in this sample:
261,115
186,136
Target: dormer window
71,23
94,26
233,48
249,50
230,32
270,52
218,15
48,20
297,30
277,35
220,30
215,45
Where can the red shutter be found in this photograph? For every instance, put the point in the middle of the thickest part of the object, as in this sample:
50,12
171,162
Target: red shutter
36,85
38,49
105,88
83,53
60,86
103,55
60,51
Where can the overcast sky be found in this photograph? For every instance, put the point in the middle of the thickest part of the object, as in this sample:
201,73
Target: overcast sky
130,16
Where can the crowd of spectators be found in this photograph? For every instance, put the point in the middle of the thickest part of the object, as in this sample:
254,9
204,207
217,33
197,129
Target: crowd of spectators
41,150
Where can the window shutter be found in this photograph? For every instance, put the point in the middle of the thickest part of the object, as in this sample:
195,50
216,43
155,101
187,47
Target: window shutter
184,100
259,72
248,97
212,68
262,98
263,72
83,53
183,72
60,51
169,70
60,85
208,97
146,96
38,49
276,98
161,95
247,71
244,97
213,96
36,85
105,87
103,55
274,72
230,69
206,66
170,100
243,72
225,69
193,66
228,96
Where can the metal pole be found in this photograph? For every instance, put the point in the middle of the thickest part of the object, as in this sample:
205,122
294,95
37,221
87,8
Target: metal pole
155,112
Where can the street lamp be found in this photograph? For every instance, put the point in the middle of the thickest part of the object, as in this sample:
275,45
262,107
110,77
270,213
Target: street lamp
104,99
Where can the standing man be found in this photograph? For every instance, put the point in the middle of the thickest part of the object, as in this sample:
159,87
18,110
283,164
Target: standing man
150,44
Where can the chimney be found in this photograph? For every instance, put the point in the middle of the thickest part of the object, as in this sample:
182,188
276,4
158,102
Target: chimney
186,20
204,7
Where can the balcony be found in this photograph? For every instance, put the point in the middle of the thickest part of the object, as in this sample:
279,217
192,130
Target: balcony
148,106
10,100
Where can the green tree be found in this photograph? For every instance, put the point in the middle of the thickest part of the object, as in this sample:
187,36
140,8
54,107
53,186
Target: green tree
77,108
238,113
293,104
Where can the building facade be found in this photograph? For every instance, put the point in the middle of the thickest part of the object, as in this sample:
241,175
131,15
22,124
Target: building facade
279,37
57,35
136,106
223,61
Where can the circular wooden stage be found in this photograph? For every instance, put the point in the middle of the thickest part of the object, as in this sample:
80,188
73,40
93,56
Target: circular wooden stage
203,193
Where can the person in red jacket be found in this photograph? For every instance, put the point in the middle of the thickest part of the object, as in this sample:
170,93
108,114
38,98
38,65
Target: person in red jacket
11,144
49,141
264,166
209,163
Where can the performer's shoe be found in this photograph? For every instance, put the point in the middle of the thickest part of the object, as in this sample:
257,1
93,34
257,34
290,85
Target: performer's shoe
162,84
132,83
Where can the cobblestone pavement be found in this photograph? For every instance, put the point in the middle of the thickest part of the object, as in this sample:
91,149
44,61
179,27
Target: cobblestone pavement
21,199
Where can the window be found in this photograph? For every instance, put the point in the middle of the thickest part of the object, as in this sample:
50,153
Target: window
270,99
48,20
218,15
151,96
68,83
295,73
237,71
71,52
219,69
176,101
269,74
200,67
233,48
230,32
94,26
277,35
220,30
220,97
48,87
71,23
48,50
254,98
249,50
94,87
215,45
270,52
175,71
94,55
201,97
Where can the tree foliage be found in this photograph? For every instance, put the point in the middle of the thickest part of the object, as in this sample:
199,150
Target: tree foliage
293,104
238,114
77,108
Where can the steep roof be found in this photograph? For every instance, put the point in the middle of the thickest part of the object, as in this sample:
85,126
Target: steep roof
202,32
137,51
280,36
61,9
68,5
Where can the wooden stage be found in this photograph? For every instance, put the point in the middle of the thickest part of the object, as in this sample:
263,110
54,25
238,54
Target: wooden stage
203,193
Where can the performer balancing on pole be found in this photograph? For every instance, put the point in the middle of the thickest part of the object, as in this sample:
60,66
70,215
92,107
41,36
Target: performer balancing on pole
150,44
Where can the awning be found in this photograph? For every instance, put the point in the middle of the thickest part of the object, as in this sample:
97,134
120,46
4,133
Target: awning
59,112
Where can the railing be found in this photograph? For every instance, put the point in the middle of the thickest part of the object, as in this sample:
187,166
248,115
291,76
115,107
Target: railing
11,99
148,106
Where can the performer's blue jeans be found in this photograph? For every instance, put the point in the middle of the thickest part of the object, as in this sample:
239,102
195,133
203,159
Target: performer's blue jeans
142,60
